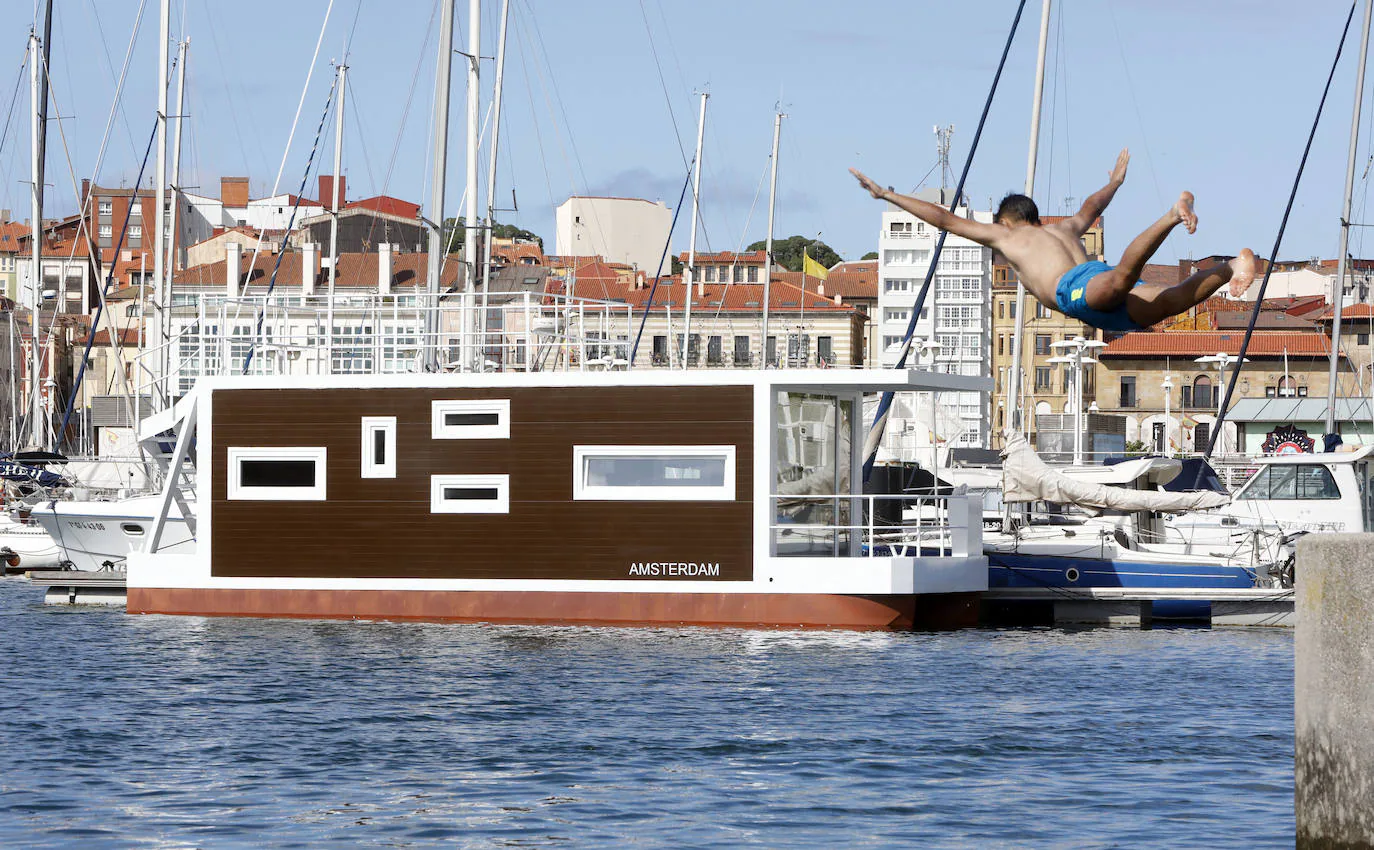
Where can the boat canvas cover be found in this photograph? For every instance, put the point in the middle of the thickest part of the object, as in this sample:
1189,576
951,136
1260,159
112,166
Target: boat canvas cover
1026,478
11,470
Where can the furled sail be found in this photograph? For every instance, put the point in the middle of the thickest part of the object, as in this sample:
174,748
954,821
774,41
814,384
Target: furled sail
1026,478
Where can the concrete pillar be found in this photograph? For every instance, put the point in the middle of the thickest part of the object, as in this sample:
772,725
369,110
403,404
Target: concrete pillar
1334,691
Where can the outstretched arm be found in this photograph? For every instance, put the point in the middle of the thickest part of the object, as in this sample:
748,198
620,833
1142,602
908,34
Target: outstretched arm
1097,201
934,214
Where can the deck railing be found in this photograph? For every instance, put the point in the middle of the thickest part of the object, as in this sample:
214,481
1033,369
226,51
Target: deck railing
875,525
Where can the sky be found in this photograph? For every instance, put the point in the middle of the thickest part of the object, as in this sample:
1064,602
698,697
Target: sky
601,97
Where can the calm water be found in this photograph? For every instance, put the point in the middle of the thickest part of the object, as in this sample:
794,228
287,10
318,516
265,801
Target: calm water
178,731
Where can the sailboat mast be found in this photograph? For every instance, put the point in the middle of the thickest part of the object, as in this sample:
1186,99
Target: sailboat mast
36,430
473,225
342,72
768,250
436,200
687,276
1345,224
159,341
491,167
1015,420
169,224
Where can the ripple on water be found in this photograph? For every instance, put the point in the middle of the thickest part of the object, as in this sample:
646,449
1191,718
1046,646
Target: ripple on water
186,731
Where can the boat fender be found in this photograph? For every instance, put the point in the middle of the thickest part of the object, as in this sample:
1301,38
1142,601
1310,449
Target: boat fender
11,557
1071,575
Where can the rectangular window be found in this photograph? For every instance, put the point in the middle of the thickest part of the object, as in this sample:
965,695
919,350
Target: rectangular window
287,473
741,350
654,473
135,208
770,352
135,230
1042,378
660,354
106,231
824,351
469,494
709,274
1127,391
714,352
1362,339
1001,342
753,274
1042,343
470,419
379,447
107,207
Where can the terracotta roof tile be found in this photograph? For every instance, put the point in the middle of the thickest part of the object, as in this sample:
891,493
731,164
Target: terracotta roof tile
1201,343
355,270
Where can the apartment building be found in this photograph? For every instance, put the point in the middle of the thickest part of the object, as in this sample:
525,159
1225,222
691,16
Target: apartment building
955,316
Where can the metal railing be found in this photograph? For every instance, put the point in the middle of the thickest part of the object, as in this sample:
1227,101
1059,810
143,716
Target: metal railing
875,525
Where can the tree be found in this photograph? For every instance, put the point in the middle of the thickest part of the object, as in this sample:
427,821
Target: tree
871,255
500,231
788,252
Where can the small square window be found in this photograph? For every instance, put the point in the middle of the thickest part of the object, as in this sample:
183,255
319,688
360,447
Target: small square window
287,473
471,419
469,494
379,447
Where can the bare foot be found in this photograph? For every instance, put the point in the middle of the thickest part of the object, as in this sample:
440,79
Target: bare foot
1242,272
1184,210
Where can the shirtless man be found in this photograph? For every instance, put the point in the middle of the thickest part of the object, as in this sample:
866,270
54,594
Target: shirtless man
1056,270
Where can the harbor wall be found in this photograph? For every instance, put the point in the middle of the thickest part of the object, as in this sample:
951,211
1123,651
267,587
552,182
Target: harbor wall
1334,691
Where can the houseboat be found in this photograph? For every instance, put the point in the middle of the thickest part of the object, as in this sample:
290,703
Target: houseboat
724,497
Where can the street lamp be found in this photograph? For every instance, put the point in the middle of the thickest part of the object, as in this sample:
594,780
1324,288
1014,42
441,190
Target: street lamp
1076,355
1168,387
1221,360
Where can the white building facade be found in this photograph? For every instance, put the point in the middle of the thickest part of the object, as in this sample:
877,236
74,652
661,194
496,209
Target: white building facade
957,313
620,230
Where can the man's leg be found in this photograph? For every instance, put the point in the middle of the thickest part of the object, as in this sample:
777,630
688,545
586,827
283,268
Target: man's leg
1149,303
1108,290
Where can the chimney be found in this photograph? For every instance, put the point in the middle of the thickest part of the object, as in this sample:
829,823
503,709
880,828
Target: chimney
384,269
233,191
85,191
327,191
310,267
232,271
820,288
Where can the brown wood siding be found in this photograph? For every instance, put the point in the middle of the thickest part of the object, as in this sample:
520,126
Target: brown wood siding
383,528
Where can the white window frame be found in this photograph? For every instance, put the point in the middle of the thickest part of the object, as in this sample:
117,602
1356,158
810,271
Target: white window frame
584,492
439,505
499,431
386,425
238,492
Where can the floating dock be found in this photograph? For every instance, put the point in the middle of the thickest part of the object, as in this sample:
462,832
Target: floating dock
81,587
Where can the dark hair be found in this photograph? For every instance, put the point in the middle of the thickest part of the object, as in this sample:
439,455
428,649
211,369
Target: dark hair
1016,207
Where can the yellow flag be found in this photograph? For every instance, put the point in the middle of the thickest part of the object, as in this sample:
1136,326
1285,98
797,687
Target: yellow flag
813,268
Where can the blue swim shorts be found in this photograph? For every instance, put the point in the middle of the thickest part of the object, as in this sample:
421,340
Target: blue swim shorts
1073,288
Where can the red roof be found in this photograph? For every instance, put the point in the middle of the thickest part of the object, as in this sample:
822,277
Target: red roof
784,296
355,270
387,204
726,257
1201,343
1354,311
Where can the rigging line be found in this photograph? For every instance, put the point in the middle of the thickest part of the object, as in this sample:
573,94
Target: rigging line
105,50
534,115
109,281
14,99
310,71
649,302
1047,189
1068,124
744,235
663,83
410,99
1273,255
875,433
1140,120
233,109
290,225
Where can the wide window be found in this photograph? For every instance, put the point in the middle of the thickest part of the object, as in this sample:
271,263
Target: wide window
471,419
1297,481
469,494
654,473
276,473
